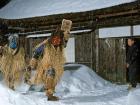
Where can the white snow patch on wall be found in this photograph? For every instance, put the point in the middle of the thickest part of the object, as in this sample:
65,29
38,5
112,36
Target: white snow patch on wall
137,30
114,32
70,50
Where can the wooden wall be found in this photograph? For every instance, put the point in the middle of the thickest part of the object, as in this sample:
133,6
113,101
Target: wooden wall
29,46
85,49
33,42
105,56
112,54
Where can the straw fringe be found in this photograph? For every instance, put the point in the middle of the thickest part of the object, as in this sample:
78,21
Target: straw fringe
12,66
54,58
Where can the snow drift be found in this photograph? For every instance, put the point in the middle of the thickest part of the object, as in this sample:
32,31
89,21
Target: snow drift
79,79
79,86
76,78
82,78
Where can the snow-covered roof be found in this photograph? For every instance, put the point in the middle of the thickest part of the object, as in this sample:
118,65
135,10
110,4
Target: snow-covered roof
17,9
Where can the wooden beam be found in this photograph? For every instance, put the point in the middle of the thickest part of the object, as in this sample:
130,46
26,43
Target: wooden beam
119,21
131,12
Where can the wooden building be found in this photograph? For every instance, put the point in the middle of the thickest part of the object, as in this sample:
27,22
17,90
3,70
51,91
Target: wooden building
104,55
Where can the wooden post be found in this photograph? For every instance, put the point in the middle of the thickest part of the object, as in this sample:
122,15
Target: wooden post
97,49
30,46
91,50
132,30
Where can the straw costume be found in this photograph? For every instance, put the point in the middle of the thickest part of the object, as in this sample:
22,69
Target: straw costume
50,65
12,61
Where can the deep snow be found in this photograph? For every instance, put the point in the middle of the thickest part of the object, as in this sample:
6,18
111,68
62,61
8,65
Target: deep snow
78,86
31,8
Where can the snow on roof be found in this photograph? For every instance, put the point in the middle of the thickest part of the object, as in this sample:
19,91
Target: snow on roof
17,9
49,34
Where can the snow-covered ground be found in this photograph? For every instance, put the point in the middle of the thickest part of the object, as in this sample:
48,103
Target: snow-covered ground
31,8
79,86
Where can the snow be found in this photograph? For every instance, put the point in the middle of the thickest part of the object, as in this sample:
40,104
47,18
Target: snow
79,86
136,30
39,35
134,97
17,9
49,34
83,79
122,31
114,32
70,50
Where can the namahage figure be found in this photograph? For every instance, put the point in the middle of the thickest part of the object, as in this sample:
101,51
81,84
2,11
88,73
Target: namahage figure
12,60
50,66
